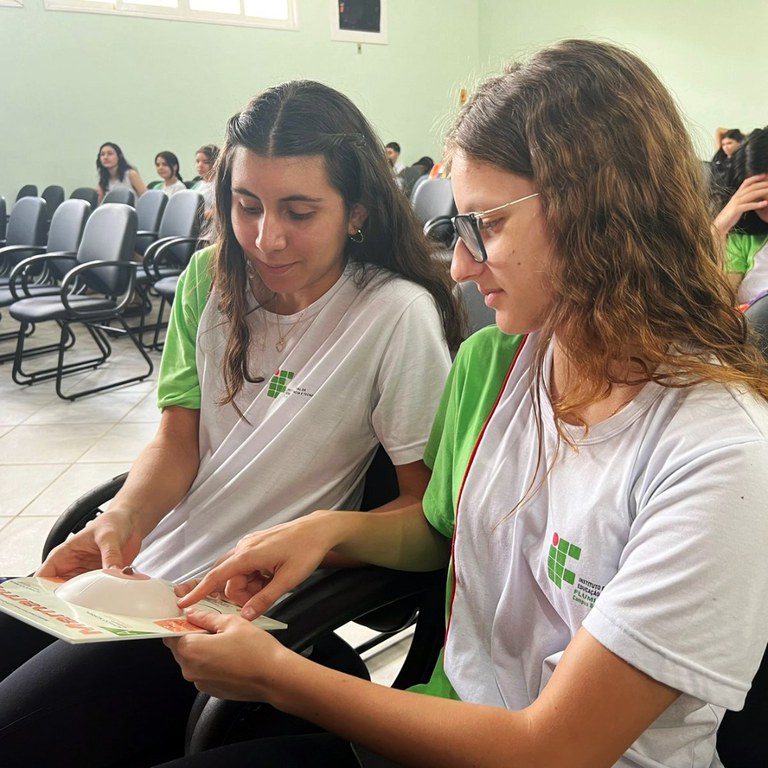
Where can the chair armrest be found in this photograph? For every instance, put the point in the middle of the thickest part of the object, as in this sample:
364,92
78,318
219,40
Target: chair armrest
22,270
13,250
159,252
81,511
324,602
73,274
441,230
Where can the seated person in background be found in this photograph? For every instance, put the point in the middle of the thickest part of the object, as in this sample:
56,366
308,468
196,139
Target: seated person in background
115,172
205,159
167,166
393,155
743,222
727,141
598,462
425,163
316,328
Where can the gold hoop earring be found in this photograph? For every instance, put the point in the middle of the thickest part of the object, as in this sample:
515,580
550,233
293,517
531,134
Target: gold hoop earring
358,238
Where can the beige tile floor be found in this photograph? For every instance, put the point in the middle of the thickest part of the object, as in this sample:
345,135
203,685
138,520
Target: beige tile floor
52,451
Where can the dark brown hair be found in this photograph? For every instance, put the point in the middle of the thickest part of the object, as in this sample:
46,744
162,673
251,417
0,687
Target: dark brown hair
636,274
305,118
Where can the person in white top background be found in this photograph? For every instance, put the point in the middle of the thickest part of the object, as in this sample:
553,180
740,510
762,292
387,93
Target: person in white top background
317,328
167,167
116,172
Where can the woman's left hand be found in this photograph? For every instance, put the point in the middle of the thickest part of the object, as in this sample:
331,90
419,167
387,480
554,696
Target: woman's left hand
236,661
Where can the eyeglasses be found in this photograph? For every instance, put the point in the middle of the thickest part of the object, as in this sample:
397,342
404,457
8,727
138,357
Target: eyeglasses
467,227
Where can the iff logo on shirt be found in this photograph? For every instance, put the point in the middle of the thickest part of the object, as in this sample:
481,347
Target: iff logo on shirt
279,382
559,553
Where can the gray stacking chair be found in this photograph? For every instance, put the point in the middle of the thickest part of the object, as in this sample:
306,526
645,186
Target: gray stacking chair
54,197
120,195
89,194
27,228
149,213
94,292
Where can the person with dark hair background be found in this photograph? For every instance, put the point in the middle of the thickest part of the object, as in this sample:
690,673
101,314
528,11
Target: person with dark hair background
727,141
743,222
205,160
317,328
167,165
116,172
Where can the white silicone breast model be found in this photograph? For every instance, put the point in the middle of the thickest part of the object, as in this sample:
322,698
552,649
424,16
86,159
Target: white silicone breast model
124,592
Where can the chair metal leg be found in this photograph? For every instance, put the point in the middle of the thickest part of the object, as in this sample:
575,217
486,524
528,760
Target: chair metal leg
66,341
100,331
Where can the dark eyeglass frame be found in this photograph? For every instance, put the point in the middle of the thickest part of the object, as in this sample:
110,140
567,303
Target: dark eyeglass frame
467,228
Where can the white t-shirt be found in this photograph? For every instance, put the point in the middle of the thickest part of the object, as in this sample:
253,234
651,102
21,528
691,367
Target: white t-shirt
645,537
359,367
755,280
172,189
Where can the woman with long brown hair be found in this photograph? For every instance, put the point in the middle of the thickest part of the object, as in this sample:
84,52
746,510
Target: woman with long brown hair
598,464
316,328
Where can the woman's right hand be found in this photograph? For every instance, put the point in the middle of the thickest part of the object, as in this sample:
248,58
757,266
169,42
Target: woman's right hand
111,540
264,565
752,195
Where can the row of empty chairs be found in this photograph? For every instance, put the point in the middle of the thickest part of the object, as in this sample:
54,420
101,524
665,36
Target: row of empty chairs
86,275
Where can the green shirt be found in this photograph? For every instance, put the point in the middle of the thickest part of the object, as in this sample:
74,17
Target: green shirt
178,382
471,391
740,251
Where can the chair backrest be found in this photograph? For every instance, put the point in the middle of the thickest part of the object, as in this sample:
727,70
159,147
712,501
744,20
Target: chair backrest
150,208
409,176
66,232
120,195
183,217
28,223
478,314
88,194
416,185
109,236
757,317
54,197
433,197
28,190
3,218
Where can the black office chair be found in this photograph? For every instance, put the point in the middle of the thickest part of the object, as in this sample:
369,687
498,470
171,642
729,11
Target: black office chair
478,314
177,239
32,277
120,195
757,318
27,227
149,213
3,220
54,197
28,190
409,177
434,206
89,194
105,275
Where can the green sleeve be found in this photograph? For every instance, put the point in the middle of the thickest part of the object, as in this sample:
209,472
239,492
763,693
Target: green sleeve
740,252
178,382
470,393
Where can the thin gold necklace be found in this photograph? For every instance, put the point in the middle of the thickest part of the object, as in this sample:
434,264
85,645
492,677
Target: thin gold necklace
281,337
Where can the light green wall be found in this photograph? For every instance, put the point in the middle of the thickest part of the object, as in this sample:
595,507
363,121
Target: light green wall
710,54
71,81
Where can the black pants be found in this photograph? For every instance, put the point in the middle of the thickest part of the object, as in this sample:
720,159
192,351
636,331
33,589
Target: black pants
111,705
124,704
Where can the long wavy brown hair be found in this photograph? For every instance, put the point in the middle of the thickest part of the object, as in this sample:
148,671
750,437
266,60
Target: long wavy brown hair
636,276
310,119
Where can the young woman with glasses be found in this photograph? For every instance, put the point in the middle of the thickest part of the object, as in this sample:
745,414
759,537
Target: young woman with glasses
598,464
